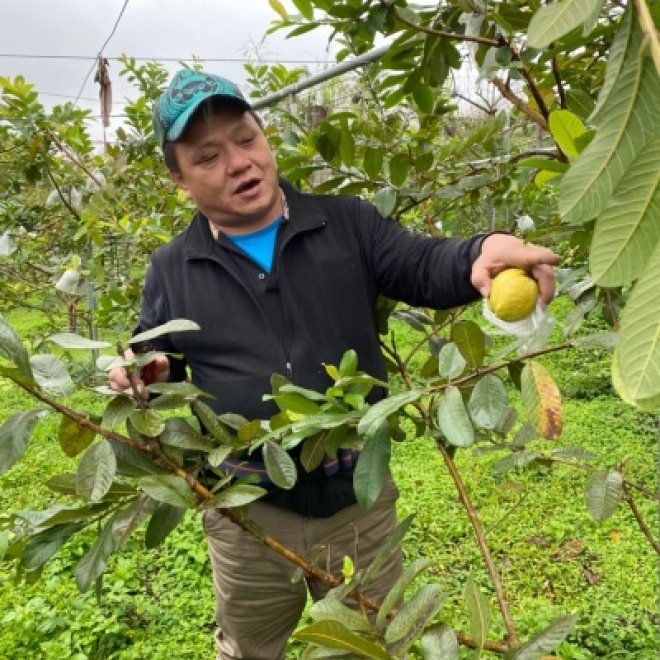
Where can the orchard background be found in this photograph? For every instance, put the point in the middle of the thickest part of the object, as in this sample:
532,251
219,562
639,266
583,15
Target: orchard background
530,464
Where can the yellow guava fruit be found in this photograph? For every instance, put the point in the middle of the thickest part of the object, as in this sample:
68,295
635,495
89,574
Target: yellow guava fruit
513,295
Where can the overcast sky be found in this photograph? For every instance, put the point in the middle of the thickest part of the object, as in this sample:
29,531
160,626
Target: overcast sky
153,29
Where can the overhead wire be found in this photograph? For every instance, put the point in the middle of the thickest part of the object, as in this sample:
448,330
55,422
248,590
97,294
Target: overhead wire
114,29
235,60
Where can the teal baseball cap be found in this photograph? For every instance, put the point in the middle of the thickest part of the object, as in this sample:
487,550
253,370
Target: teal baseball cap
187,90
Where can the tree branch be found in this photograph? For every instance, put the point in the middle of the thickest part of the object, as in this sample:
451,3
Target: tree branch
153,451
519,103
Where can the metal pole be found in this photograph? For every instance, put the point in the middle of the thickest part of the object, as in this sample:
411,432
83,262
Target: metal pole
317,78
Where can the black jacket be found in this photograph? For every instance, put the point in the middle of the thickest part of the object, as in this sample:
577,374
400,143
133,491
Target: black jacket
334,256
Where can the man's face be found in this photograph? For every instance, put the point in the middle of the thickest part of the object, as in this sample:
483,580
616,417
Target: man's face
227,168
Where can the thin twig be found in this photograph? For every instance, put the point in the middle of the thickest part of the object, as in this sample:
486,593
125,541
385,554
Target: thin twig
512,635
585,467
502,365
519,103
640,520
560,85
439,33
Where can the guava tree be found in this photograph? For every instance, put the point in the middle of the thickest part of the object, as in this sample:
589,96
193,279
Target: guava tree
560,66
73,220
565,69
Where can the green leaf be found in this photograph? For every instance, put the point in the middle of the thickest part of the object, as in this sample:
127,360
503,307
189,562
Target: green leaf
64,483
212,423
413,617
305,8
544,176
621,46
636,362
77,514
347,146
95,560
12,349
385,201
70,341
565,127
397,592
331,609
626,126
296,403
545,642
131,462
379,412
147,422
217,455
178,433
553,21
424,96
164,519
131,517
52,375
335,635
373,466
348,364
478,611
168,488
313,452
96,471
627,231
451,362
574,454
327,142
516,459
175,325
308,394
471,342
43,545
373,165
391,544
234,496
279,9
118,411
580,102
187,391
488,401
74,438
603,493
279,465
399,168
4,544
440,642
549,164
15,434
453,419
112,537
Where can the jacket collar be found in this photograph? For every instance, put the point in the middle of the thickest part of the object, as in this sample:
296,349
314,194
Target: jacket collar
304,214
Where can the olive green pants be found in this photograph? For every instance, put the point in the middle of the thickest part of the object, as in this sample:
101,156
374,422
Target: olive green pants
258,603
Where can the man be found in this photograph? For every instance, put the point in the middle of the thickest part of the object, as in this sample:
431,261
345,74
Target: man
284,282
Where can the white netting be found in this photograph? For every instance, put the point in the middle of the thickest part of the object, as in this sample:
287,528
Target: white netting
532,332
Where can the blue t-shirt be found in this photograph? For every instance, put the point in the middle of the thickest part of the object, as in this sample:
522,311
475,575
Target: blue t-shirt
260,245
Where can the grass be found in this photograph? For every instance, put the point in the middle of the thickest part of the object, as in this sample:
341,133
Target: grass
552,557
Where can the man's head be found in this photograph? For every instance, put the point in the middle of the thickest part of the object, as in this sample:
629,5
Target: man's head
216,151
